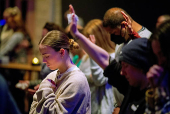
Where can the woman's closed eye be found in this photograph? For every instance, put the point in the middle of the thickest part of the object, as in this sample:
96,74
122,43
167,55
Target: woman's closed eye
46,57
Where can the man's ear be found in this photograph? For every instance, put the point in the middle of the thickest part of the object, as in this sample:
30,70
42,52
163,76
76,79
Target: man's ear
62,52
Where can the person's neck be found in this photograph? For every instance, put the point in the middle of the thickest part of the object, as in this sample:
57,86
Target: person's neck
66,65
144,83
81,54
136,26
127,40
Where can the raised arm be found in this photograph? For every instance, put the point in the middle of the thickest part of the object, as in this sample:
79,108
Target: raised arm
128,24
99,55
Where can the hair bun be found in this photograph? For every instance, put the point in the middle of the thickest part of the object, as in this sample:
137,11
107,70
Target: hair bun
73,44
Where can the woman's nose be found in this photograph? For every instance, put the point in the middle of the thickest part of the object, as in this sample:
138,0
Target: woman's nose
44,61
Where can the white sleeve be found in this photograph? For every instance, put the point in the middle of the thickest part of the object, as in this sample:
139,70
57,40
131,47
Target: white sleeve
97,74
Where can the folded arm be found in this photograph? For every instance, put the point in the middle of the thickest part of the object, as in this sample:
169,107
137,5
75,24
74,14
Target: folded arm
46,100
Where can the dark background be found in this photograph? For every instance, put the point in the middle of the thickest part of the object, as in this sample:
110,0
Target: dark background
145,12
11,3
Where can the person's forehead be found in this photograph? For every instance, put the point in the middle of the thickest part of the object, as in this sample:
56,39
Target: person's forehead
45,49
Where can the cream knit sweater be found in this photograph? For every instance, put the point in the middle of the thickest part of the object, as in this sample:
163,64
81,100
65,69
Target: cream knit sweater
71,95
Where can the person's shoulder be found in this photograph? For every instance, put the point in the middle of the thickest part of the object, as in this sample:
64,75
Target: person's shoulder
77,75
77,72
78,79
52,75
144,32
18,34
112,54
1,27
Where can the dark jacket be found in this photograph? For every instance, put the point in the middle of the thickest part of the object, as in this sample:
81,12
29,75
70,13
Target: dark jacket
134,98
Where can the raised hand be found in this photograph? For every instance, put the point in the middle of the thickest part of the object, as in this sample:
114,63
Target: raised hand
127,23
71,9
73,24
153,75
92,38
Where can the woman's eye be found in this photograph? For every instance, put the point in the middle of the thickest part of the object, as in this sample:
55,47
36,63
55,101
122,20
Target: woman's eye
46,57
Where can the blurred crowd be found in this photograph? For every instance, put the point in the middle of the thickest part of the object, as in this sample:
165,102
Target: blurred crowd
125,65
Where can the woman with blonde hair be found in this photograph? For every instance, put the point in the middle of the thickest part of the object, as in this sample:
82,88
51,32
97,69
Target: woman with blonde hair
102,98
65,90
102,37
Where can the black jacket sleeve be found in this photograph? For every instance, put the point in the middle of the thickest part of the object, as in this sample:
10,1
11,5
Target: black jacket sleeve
112,71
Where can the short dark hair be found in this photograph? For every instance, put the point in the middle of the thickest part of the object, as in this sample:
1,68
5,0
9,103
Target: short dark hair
113,17
52,26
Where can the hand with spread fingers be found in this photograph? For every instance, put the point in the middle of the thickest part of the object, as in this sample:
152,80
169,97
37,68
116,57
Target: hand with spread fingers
127,23
92,38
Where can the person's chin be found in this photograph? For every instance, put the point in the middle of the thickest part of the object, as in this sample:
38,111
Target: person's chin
49,67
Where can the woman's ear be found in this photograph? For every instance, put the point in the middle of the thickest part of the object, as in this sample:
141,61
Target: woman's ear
62,52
